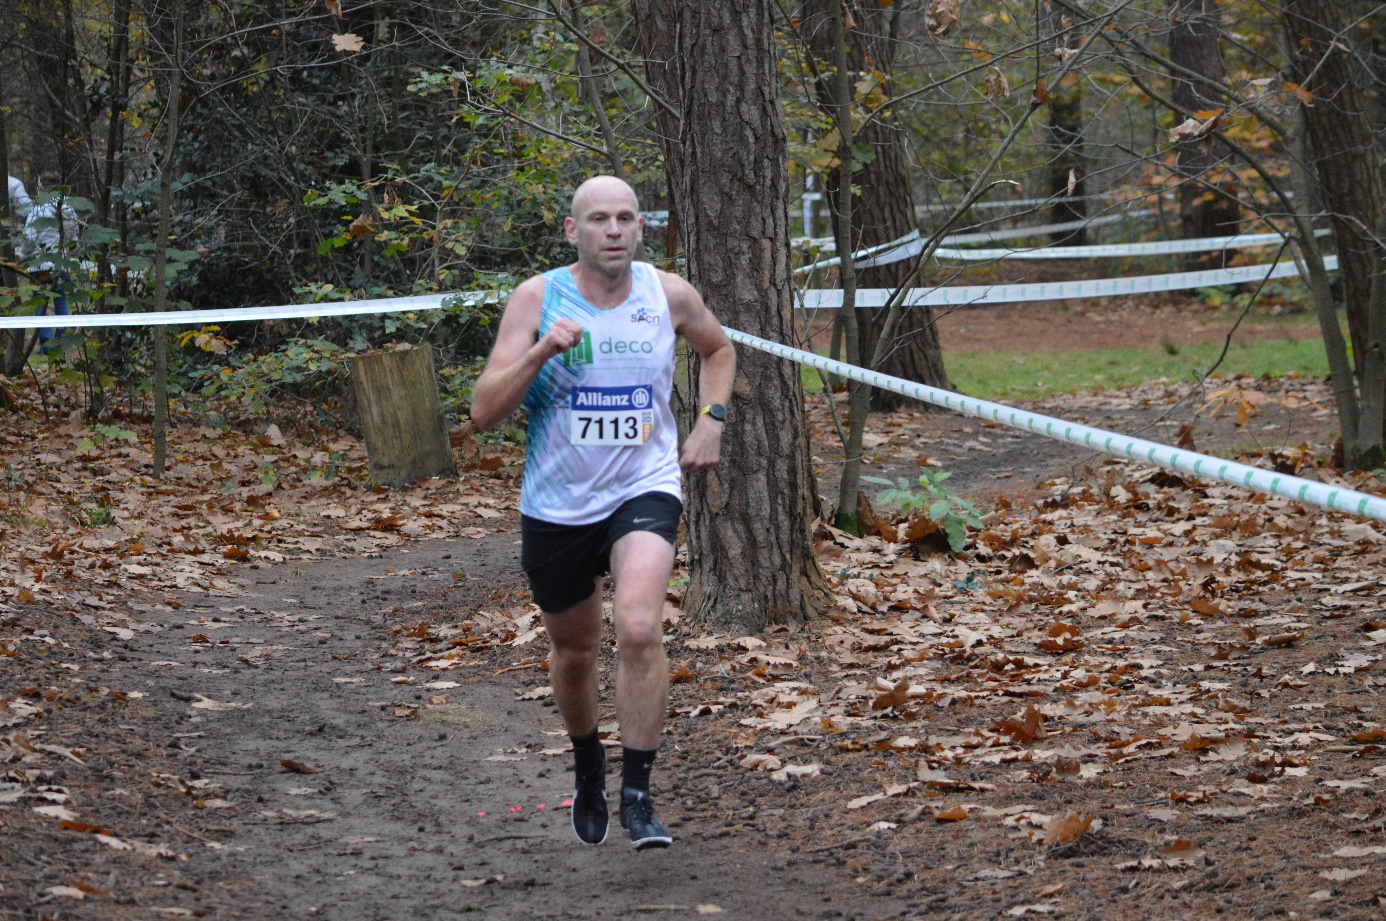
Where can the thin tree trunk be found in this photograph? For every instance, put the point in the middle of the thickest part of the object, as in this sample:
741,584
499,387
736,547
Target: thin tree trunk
167,166
855,340
591,86
883,209
1193,46
15,352
750,552
1326,311
115,125
1345,156
1064,135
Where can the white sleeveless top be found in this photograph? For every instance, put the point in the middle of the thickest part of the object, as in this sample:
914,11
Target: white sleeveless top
600,427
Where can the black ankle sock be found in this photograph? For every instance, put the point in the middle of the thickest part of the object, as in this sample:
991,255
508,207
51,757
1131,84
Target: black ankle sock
635,767
587,753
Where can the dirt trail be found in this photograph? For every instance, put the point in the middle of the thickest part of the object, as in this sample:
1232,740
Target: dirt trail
392,826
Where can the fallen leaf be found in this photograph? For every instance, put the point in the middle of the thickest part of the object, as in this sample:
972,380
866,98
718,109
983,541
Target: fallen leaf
951,814
896,696
1063,829
298,767
1028,727
1342,875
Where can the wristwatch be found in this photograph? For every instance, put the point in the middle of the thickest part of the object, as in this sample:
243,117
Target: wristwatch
716,410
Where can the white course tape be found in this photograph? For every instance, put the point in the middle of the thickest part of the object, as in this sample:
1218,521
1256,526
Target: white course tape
964,295
1343,500
829,245
813,299
1113,443
243,314
1018,203
1109,250
911,245
1012,233
883,254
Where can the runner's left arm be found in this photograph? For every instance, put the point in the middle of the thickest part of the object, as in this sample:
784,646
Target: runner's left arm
700,329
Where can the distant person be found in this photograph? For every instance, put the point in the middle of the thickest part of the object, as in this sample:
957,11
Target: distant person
588,349
51,229
20,202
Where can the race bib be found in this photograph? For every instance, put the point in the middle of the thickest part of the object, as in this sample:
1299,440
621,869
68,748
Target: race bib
611,415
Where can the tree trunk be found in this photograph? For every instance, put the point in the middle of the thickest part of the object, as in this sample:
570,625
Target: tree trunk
750,548
1064,135
401,415
118,83
167,165
1341,136
1193,46
15,351
591,87
883,209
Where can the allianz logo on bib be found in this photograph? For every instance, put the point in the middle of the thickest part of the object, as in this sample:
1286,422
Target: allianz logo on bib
640,396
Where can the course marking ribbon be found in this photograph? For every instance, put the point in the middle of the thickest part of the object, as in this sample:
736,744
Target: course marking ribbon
1114,443
971,295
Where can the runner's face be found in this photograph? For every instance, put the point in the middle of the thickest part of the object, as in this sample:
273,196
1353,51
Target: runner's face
607,231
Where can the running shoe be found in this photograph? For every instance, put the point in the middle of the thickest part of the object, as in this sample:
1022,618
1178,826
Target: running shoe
638,818
590,815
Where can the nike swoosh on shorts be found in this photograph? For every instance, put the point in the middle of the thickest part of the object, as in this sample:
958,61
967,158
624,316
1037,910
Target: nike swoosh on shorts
641,520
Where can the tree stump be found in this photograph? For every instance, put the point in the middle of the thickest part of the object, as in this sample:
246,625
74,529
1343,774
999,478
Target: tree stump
401,415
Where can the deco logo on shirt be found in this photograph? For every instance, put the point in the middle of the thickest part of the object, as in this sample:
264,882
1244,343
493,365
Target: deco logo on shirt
611,415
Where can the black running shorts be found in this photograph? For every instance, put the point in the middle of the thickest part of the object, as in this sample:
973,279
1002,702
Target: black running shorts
563,561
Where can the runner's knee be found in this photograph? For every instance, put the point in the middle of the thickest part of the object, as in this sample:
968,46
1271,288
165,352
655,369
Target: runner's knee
574,658
640,635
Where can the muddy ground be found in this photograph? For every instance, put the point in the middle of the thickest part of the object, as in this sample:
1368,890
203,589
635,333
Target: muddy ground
403,817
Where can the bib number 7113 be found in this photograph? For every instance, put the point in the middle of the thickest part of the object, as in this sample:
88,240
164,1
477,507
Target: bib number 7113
621,416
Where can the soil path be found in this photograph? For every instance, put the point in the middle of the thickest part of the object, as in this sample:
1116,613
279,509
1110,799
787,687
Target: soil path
408,816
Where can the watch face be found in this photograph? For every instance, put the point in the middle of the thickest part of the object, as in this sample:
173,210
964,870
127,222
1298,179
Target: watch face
718,412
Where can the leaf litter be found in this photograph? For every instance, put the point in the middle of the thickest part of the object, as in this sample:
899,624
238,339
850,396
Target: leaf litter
1117,666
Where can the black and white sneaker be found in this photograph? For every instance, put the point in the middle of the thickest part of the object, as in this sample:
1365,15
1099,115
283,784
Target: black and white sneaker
638,818
590,816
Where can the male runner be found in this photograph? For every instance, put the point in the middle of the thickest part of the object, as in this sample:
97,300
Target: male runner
589,350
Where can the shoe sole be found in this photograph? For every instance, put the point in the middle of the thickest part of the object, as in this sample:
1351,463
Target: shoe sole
584,841
645,844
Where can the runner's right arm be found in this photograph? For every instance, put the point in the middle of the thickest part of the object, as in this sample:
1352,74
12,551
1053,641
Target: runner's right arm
518,355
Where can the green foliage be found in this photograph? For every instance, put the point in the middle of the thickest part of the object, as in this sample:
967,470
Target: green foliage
102,434
309,364
953,513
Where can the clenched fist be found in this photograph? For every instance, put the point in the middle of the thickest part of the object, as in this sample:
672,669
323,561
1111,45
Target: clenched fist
561,337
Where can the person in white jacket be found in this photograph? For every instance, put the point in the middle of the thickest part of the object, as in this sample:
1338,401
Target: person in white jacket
20,202
51,228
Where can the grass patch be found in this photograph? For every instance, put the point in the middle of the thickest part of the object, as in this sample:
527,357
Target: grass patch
1032,375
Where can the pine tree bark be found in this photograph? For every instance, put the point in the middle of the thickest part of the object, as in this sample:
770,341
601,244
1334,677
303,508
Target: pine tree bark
750,551
883,209
1345,158
1193,46
1064,135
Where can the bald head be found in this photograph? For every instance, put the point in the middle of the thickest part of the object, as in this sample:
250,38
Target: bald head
607,191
